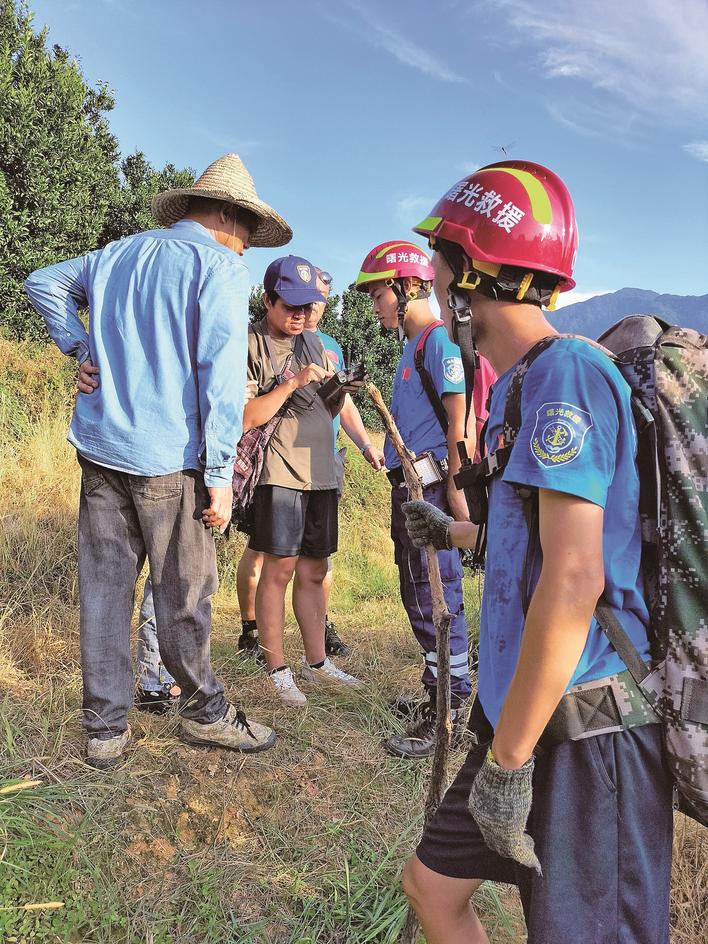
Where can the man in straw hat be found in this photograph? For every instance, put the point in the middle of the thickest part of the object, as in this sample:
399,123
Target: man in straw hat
156,422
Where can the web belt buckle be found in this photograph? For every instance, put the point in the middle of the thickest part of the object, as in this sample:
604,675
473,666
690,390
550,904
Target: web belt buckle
609,708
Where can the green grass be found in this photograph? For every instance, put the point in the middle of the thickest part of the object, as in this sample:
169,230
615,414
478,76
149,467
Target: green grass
304,843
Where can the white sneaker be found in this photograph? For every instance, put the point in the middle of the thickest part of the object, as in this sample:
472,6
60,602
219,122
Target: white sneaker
286,688
330,675
104,754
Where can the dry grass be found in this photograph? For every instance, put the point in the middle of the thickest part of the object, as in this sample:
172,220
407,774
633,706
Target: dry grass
301,844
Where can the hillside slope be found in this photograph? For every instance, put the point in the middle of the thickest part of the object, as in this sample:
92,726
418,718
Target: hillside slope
595,315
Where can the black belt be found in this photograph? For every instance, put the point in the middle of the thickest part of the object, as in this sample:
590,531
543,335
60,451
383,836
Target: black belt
396,476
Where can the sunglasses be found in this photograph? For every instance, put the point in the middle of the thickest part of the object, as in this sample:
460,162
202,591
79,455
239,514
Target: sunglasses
325,277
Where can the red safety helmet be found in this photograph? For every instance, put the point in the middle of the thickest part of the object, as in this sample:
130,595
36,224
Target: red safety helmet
513,213
394,260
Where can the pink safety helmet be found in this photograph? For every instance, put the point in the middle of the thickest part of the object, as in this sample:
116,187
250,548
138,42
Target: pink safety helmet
513,213
394,260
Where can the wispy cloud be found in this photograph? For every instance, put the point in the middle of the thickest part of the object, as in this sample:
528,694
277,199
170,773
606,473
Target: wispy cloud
697,149
649,53
410,210
370,27
227,144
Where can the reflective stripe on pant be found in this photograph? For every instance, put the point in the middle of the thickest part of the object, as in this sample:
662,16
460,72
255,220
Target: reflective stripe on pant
417,600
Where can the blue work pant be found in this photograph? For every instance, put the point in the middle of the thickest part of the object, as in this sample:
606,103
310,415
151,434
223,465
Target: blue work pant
417,600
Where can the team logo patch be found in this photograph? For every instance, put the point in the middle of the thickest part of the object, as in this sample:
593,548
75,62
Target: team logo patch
559,433
453,370
305,273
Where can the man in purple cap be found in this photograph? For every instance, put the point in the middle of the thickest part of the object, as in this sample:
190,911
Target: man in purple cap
295,502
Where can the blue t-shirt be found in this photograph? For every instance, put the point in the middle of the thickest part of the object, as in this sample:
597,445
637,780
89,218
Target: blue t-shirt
336,357
410,406
577,436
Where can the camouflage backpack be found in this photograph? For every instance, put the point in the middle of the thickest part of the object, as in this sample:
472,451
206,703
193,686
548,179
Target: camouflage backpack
666,368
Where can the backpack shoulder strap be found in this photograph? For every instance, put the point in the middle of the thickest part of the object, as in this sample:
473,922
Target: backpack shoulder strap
426,379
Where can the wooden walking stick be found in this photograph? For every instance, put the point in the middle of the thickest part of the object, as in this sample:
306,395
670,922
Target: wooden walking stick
441,621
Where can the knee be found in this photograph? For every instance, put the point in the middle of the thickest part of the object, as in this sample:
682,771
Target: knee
279,574
410,882
312,569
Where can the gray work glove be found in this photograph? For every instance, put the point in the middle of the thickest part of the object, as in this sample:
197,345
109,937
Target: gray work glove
426,524
500,802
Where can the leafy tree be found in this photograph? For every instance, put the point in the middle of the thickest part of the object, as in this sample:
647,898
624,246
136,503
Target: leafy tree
256,308
357,329
58,172
130,212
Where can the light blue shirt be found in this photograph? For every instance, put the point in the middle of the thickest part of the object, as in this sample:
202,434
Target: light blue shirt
577,436
411,408
336,358
168,322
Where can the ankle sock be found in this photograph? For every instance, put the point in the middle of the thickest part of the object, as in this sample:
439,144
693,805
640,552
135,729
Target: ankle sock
316,665
249,627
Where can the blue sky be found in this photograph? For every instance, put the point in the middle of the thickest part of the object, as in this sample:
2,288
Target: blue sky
354,117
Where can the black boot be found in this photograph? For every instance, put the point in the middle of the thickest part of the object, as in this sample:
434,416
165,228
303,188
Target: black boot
159,702
334,646
407,706
419,740
248,641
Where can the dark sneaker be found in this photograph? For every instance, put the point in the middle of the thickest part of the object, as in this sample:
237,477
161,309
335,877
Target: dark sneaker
419,740
334,646
234,732
104,754
158,702
248,643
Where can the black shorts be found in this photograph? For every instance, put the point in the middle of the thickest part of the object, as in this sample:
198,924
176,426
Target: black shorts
601,821
288,522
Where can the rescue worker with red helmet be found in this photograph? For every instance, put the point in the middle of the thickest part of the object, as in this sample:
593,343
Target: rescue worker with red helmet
566,794
428,405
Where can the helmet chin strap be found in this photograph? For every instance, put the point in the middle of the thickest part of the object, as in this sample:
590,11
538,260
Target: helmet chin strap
402,306
460,305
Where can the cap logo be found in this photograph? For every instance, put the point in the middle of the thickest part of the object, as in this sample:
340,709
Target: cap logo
305,273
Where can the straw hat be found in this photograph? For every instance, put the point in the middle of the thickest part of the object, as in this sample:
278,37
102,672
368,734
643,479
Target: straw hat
225,179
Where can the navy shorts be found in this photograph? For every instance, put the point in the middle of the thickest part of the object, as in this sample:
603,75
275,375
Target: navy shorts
602,825
288,522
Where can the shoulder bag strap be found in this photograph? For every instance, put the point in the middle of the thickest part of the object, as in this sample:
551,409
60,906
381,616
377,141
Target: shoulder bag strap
426,379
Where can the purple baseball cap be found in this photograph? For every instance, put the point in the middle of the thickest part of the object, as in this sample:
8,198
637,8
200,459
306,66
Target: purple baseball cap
294,279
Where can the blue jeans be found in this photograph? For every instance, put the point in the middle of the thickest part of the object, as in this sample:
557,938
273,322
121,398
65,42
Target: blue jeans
124,519
152,674
416,597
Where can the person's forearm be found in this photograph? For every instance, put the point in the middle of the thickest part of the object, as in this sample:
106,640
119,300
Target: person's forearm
353,424
462,534
57,292
555,633
261,409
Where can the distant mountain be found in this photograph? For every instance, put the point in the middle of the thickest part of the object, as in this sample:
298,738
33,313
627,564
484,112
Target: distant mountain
590,318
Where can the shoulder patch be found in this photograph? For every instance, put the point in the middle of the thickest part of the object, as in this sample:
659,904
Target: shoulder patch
559,433
453,370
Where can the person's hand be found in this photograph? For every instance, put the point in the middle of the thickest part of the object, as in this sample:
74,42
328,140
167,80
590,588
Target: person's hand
311,373
88,377
353,387
426,524
374,457
218,514
500,803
